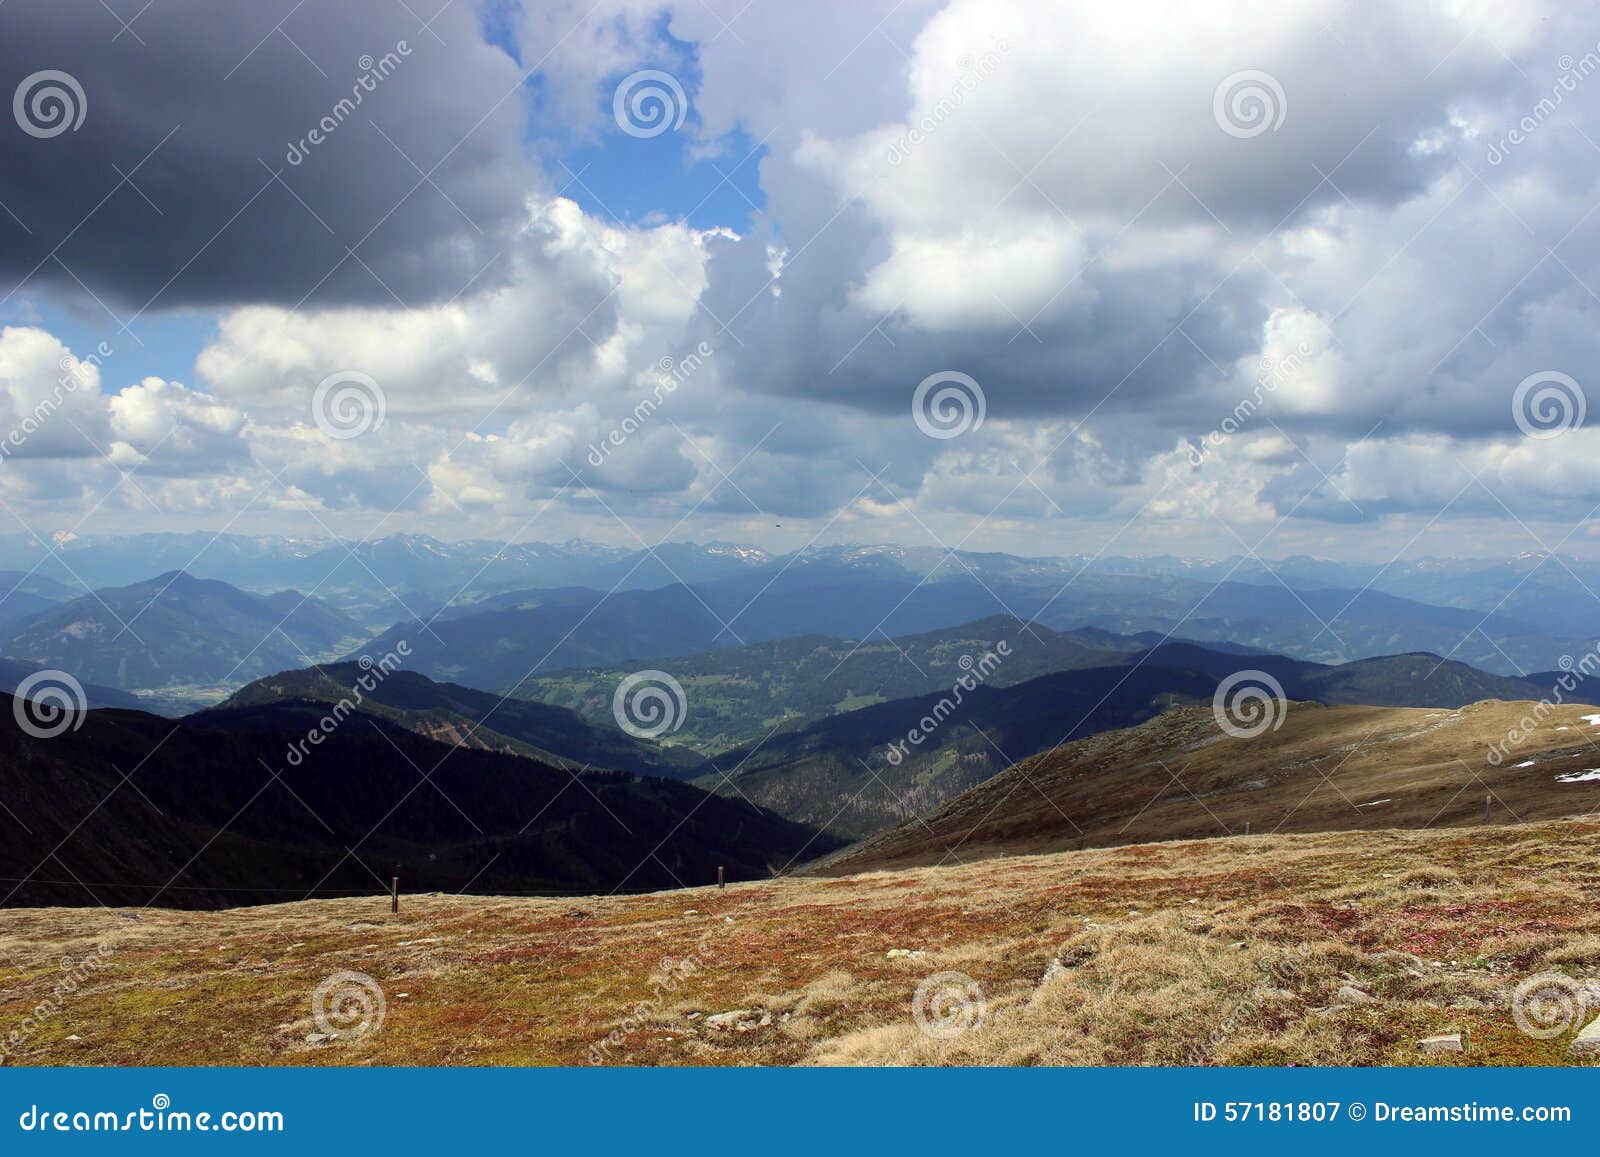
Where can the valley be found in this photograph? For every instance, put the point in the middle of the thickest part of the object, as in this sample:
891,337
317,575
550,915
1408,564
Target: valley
899,780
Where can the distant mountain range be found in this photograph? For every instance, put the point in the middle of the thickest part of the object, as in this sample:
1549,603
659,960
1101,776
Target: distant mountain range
13,672
462,716
23,594
178,629
181,640
129,808
820,709
407,575
831,763
736,695
519,635
378,582
840,774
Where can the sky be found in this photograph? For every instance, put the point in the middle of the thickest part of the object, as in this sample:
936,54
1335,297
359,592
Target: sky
1047,278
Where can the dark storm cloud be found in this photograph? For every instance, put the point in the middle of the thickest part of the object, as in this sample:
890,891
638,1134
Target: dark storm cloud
201,106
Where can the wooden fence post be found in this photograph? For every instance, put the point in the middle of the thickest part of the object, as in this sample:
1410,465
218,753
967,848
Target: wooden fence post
394,894
722,881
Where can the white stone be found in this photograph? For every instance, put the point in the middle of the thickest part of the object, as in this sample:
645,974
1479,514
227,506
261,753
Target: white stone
1586,1042
1445,1043
740,1020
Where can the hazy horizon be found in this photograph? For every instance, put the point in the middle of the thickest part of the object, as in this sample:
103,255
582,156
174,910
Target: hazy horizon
779,550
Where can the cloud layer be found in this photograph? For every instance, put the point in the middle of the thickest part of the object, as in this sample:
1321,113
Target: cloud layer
1226,278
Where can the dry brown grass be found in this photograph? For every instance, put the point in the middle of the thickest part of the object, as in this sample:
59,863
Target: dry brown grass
1218,952
1179,777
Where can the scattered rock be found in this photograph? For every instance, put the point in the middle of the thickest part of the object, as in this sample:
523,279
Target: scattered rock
691,912
1350,994
1446,1043
1470,1004
907,953
740,1019
74,1036
1054,970
318,1038
1587,1042
1278,994
1237,944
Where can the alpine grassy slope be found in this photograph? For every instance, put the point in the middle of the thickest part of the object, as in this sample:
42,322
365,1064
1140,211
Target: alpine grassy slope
1179,776
1223,951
